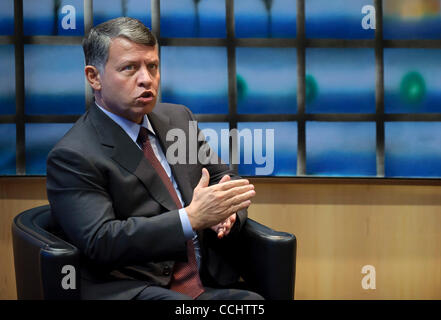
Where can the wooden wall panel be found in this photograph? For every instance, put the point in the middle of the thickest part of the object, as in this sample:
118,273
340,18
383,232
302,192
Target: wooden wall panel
16,195
342,227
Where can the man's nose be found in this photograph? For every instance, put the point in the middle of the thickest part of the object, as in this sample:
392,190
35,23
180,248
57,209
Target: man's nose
144,77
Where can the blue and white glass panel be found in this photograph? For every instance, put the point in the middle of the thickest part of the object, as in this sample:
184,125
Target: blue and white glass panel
104,10
218,137
7,80
53,17
340,80
267,148
266,80
412,149
6,17
412,19
341,148
412,81
340,19
54,79
7,149
265,18
40,139
193,19
195,77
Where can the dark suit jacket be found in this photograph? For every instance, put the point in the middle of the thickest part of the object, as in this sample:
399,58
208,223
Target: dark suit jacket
112,205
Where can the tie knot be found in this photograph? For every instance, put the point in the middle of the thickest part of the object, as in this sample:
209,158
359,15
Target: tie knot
143,135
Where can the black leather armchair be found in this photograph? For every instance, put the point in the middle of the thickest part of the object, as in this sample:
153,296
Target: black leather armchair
267,266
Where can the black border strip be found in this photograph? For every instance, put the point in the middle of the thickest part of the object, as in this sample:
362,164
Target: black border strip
88,24
53,40
9,118
206,117
232,87
241,42
51,118
330,117
19,89
301,90
379,88
155,6
7,40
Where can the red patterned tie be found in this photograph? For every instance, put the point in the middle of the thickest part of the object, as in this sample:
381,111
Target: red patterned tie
185,277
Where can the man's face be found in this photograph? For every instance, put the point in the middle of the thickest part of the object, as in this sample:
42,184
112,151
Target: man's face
129,84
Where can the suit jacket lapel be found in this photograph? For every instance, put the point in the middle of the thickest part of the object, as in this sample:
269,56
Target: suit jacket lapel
128,155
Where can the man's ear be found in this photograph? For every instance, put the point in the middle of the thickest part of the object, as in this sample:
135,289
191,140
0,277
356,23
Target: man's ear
93,77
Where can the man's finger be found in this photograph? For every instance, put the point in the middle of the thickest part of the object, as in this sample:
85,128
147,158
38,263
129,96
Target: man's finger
231,193
231,184
227,224
233,219
205,179
239,199
240,206
225,178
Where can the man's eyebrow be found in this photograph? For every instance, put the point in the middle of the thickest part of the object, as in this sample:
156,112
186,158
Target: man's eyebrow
128,61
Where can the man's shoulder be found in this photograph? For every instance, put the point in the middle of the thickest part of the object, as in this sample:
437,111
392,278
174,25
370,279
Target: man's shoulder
80,137
171,109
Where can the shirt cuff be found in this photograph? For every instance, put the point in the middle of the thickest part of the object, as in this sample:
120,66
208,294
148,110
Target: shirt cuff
186,225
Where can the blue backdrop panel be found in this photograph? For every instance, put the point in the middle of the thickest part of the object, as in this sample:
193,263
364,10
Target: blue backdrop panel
46,17
54,79
40,139
217,135
7,149
412,19
195,77
193,18
276,157
266,80
412,149
340,80
265,19
412,82
6,17
340,148
7,80
104,10
338,19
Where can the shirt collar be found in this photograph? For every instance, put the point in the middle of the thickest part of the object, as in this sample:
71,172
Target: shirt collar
130,127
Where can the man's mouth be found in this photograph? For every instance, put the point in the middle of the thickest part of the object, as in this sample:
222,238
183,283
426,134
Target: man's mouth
146,96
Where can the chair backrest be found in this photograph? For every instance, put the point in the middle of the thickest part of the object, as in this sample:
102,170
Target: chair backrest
40,256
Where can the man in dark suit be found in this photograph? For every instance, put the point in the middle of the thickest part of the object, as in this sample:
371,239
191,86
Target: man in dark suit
147,229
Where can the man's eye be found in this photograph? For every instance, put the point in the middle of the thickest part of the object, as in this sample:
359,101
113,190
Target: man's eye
153,66
129,67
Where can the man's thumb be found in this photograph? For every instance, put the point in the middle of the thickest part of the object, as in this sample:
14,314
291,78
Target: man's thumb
205,179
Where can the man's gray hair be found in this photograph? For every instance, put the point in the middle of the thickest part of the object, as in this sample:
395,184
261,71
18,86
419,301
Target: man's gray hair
97,42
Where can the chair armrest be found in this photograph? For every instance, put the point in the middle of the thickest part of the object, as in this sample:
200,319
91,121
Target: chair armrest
40,256
268,260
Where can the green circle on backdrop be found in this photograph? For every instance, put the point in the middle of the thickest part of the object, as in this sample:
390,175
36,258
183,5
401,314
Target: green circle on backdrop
242,87
311,88
413,87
